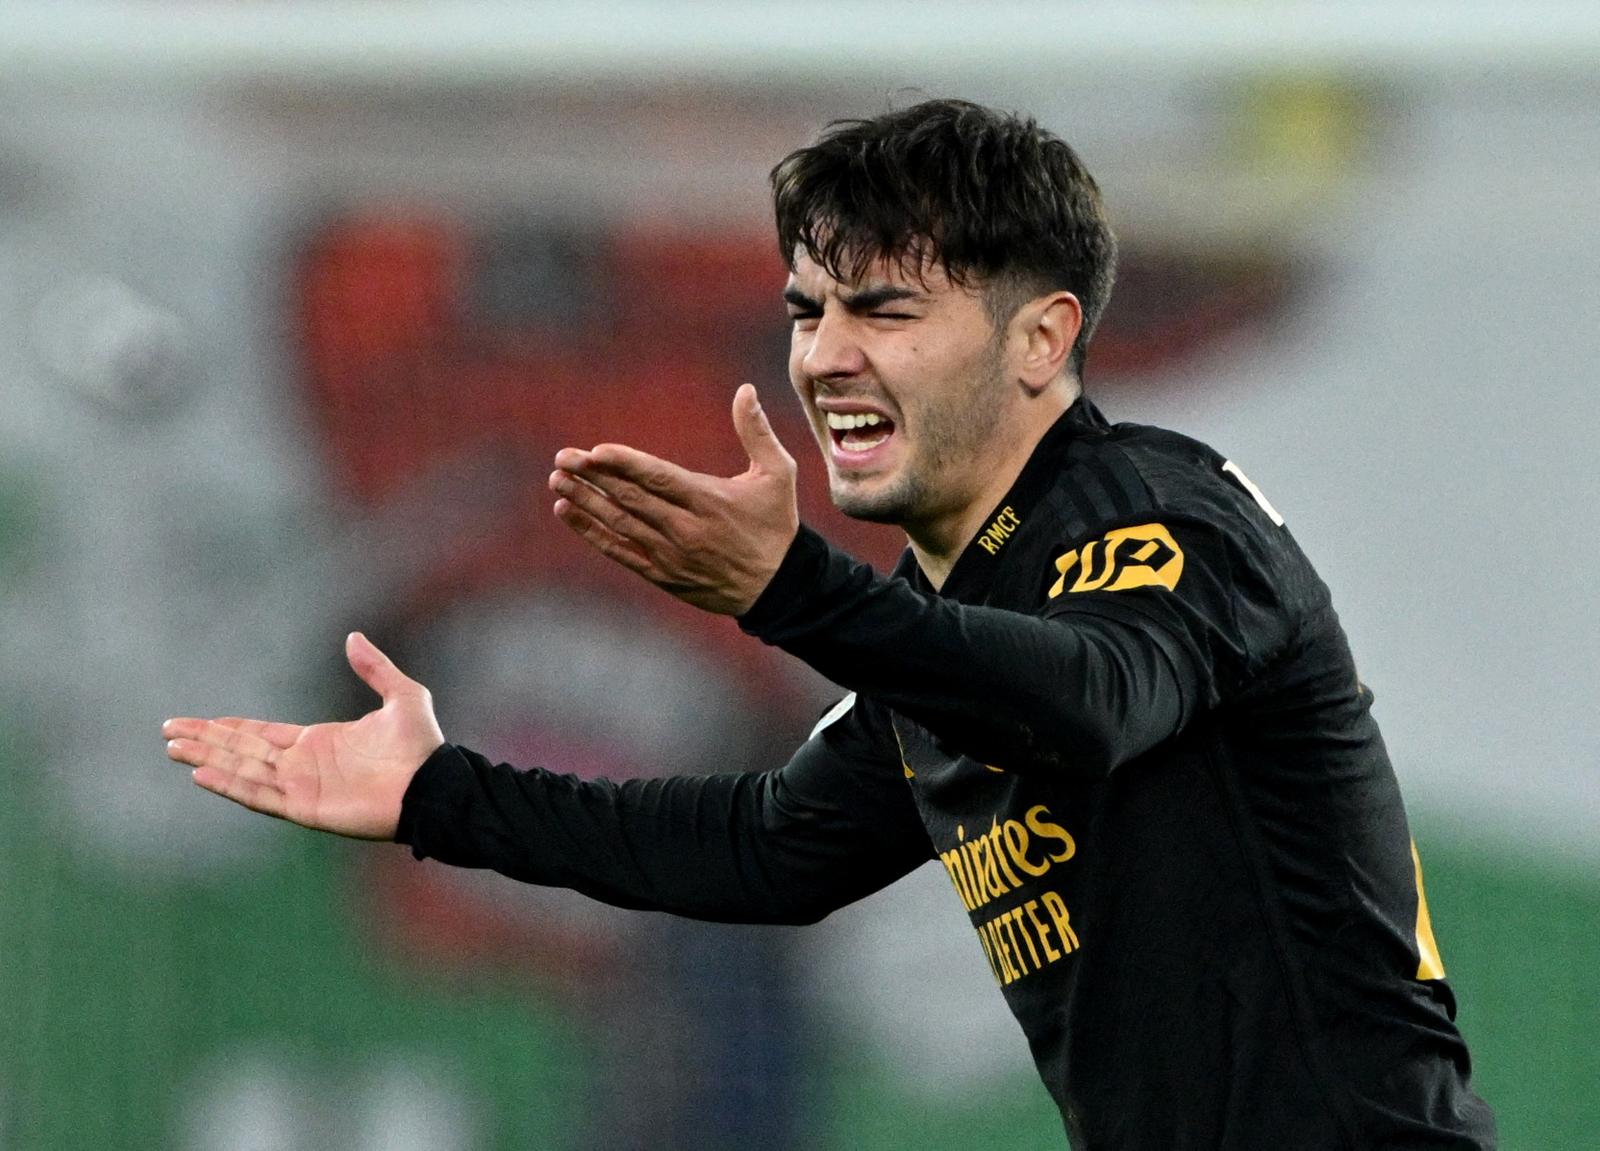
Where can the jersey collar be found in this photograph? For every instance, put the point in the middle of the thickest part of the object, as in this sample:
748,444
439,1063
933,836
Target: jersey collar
975,568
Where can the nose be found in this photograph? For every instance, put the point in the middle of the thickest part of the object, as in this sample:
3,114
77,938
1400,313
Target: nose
831,350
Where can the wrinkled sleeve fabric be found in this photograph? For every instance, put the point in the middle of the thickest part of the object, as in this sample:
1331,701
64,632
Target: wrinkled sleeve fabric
1087,684
834,824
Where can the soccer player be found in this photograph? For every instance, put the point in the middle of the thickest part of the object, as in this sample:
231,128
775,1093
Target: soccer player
1103,687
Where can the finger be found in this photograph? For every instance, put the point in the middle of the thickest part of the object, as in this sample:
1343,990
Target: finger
665,480
181,726
245,792
242,743
197,753
624,507
221,764
279,735
605,541
760,442
189,727
376,670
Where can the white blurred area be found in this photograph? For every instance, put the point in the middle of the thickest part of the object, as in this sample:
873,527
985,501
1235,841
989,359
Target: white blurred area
269,1100
1423,418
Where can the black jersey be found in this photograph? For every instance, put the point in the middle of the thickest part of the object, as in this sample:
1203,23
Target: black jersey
1130,729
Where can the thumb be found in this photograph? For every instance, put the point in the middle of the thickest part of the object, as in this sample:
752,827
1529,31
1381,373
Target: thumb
376,670
756,434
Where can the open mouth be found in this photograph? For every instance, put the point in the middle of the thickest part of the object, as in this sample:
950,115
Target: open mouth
858,431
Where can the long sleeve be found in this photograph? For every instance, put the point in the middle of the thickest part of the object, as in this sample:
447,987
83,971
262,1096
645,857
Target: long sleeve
1080,693
834,824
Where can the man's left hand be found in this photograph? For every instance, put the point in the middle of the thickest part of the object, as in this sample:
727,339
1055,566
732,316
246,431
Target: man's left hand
713,542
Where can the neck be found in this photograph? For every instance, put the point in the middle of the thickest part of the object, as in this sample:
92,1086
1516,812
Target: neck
938,542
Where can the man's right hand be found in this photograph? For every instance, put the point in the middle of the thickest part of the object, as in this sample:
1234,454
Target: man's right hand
346,778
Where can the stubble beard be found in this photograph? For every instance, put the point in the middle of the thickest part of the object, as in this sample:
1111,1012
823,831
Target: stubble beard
893,505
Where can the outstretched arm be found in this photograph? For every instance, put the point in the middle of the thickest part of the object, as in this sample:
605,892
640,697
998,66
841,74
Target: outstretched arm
786,846
834,824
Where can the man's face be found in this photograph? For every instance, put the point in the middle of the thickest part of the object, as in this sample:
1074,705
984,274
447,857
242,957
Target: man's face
902,379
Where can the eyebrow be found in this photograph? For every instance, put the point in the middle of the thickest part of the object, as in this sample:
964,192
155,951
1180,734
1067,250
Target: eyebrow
796,298
866,300
870,298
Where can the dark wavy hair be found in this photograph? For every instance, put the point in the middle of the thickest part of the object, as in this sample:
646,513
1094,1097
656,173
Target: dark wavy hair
999,203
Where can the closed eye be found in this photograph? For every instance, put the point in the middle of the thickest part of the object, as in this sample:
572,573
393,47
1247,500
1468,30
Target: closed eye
801,306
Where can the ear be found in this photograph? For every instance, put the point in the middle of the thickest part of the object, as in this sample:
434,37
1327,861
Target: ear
1045,329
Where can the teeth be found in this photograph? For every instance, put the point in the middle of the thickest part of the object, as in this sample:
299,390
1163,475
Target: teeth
841,422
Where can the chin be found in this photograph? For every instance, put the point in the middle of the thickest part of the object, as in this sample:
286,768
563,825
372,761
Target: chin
886,505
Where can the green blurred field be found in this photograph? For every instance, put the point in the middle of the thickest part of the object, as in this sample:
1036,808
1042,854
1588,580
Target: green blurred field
120,995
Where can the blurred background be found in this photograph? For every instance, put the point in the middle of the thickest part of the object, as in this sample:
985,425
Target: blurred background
297,300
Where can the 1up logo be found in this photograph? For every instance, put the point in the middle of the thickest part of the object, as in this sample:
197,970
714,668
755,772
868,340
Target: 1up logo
1145,556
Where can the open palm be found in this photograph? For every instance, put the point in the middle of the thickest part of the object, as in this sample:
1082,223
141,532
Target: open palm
346,778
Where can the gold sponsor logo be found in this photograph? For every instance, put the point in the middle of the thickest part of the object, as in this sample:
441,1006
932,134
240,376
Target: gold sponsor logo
1021,941
1143,556
990,867
984,867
